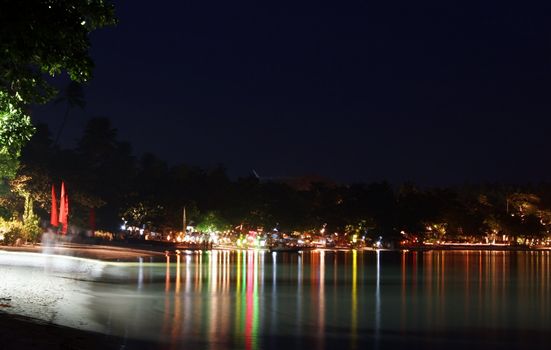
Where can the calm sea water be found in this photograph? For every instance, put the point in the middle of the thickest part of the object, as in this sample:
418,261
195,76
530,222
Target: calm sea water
319,299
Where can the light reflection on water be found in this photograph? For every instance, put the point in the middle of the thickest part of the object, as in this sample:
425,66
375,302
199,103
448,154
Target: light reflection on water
256,300
228,296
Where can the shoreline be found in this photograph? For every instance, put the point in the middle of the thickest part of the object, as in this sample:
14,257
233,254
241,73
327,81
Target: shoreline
121,252
88,251
473,247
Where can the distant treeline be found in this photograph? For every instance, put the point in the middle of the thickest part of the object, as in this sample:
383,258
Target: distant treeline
102,173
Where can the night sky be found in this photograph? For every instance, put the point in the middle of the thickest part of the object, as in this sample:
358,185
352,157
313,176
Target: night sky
438,93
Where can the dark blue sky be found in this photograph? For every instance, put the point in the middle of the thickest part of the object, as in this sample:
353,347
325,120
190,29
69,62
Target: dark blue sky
437,93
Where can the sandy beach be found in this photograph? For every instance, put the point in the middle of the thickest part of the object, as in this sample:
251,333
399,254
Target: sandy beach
21,332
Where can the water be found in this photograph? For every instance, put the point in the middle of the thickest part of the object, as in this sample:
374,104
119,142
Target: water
319,299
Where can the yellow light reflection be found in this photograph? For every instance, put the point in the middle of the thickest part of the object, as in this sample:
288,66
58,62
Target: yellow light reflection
167,274
213,310
177,319
378,300
321,300
354,306
403,317
166,314
178,274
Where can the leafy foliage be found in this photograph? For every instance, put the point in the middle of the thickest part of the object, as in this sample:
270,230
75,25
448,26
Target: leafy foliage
40,37
31,222
45,36
12,231
212,222
15,130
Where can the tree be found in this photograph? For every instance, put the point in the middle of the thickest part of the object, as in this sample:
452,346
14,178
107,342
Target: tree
73,96
15,131
143,214
40,37
212,222
103,166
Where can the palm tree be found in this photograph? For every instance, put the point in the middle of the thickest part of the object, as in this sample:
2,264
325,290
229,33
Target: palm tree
73,95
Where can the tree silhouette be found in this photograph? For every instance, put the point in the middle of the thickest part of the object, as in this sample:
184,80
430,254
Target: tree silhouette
73,96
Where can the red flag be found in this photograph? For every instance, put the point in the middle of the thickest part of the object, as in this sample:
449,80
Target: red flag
54,219
64,209
66,213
